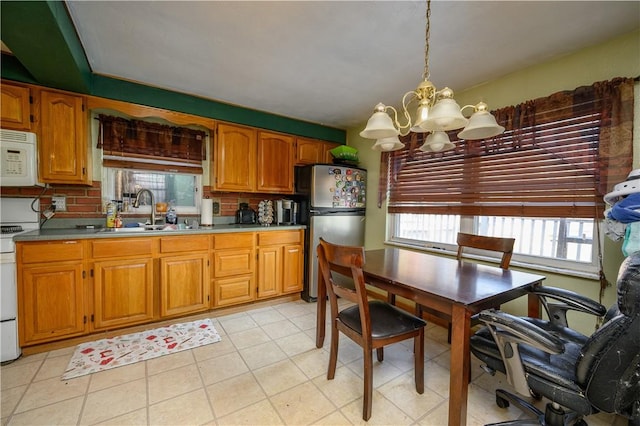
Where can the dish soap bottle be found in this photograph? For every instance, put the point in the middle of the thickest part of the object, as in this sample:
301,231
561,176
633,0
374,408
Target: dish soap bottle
172,216
112,212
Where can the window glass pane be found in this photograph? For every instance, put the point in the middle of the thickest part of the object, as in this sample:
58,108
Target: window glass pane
558,238
438,228
179,189
555,239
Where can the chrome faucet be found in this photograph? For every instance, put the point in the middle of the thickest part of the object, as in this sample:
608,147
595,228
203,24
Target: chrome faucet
136,204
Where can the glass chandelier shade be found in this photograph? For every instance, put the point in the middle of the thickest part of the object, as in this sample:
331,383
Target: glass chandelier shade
388,144
379,125
436,112
481,125
437,142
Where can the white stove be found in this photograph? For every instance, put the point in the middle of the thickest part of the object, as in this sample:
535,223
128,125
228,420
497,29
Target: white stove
16,217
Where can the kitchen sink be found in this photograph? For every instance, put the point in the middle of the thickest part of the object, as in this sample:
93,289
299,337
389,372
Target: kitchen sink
139,229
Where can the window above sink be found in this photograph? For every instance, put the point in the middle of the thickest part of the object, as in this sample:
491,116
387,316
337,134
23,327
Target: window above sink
182,190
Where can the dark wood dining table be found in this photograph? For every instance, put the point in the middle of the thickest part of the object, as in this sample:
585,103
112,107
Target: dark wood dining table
452,288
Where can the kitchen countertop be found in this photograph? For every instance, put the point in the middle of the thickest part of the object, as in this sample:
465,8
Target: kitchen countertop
84,233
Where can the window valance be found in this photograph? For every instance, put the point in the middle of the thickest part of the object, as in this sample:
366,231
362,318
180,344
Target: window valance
153,146
557,158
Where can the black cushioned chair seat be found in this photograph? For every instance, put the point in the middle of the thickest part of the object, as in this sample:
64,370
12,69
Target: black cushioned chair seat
386,320
548,374
559,368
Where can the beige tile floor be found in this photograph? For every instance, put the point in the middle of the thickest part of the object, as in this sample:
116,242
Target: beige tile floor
266,370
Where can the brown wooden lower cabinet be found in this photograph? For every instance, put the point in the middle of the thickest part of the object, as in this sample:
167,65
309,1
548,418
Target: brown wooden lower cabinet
184,284
51,291
123,282
75,287
280,263
52,302
234,263
122,292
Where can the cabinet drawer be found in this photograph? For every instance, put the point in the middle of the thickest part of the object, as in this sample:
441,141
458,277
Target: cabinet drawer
51,251
120,247
184,243
233,262
234,290
279,237
233,240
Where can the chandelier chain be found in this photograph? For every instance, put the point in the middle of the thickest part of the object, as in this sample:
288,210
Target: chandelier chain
426,73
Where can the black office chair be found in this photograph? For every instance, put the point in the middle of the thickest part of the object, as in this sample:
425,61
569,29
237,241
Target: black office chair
603,374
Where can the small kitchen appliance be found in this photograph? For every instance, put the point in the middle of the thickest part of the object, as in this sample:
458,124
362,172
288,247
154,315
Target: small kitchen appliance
17,217
18,158
286,212
245,214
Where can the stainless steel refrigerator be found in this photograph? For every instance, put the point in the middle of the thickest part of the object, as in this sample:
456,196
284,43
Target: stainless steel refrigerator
332,205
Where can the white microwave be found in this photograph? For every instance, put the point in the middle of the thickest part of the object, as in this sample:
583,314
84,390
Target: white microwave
18,158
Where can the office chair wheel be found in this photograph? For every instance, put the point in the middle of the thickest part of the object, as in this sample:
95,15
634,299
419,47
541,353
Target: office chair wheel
501,402
580,422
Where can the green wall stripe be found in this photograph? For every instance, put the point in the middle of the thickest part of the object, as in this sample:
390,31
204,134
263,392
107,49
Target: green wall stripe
42,36
127,91
12,69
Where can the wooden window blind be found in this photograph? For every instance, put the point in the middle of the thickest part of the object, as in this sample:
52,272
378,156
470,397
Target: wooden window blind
150,146
558,156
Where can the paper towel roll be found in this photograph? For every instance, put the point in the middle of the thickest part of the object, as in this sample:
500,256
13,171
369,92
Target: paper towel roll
206,212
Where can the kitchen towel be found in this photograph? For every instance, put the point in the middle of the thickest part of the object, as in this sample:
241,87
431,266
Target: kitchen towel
206,212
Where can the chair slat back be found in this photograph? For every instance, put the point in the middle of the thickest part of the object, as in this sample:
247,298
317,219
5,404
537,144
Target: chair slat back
497,244
335,263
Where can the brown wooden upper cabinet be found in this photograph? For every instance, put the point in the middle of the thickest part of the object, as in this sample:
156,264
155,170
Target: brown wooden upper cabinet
15,113
62,143
234,160
275,163
310,151
248,160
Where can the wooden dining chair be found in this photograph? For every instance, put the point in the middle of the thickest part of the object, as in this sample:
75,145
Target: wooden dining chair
495,244
371,324
481,242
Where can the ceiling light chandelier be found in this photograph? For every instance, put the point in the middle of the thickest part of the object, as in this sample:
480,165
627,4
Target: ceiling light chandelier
437,113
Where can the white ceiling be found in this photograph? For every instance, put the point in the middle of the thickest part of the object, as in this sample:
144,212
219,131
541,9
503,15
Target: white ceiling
330,62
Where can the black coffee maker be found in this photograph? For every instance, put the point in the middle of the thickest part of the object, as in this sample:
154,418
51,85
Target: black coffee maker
245,214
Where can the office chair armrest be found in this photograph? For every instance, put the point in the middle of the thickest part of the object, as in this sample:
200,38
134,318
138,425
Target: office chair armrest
514,329
569,300
509,332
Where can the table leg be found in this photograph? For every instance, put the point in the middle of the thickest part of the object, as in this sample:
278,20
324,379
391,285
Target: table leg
321,318
459,380
533,305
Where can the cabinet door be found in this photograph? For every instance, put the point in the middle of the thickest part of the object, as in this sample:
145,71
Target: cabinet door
123,292
16,107
328,146
63,140
309,151
269,271
184,284
275,163
292,269
52,302
234,167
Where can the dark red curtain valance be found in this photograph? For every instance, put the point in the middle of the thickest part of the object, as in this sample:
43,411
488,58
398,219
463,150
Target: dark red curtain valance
145,142
557,158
